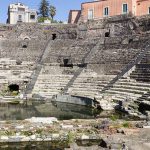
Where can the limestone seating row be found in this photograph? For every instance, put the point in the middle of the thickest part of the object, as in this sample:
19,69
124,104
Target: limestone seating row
88,84
124,95
136,88
131,90
51,81
141,73
128,89
14,73
137,84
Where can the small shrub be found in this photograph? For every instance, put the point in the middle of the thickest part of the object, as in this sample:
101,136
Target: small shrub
27,133
126,125
39,131
114,117
71,137
14,93
9,133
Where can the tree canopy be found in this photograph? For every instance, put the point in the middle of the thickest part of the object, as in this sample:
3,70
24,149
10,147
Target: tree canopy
44,8
52,11
46,12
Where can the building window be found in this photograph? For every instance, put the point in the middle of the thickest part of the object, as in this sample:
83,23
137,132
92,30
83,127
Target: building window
19,18
21,9
32,16
106,11
90,14
125,8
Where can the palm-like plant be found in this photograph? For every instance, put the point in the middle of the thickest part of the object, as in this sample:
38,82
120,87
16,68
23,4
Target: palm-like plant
52,11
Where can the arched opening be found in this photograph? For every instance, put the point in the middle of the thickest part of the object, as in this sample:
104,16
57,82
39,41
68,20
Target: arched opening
13,87
107,34
26,39
24,46
54,36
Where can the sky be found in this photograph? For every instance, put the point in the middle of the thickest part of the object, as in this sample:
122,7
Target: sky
62,6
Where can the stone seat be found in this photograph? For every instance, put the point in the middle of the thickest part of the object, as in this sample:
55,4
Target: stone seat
83,89
143,75
52,85
54,79
144,98
134,84
129,90
146,102
111,91
48,87
89,83
46,90
45,93
55,76
124,98
86,86
143,79
84,92
140,73
48,83
132,87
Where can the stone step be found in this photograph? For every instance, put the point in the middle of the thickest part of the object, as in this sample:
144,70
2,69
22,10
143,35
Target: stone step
87,86
132,87
129,90
83,89
134,83
123,93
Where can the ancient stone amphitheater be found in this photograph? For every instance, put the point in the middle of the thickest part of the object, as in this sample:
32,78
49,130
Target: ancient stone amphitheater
106,60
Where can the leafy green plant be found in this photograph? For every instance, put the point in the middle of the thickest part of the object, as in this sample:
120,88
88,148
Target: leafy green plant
41,19
9,133
71,137
114,117
14,93
39,131
27,133
126,125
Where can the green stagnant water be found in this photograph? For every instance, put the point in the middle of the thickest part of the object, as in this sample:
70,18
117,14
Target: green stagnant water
62,111
56,145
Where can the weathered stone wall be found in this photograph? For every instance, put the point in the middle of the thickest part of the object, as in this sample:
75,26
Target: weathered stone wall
106,46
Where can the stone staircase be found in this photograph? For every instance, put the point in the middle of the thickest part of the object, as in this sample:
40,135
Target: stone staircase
142,70
37,70
51,81
133,90
75,76
128,67
88,84
145,98
78,72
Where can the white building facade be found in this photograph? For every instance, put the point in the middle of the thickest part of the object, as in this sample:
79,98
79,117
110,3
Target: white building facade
21,13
